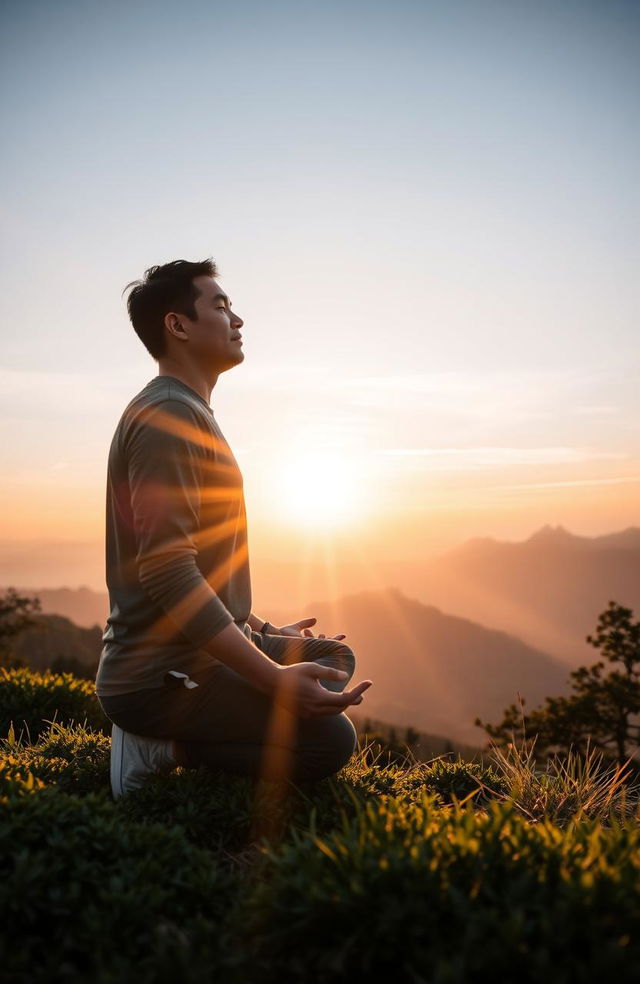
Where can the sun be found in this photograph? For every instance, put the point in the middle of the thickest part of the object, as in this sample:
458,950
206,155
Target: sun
319,490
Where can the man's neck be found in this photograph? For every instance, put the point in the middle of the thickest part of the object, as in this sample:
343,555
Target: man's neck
196,381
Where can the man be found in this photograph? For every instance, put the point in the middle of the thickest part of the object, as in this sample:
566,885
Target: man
188,674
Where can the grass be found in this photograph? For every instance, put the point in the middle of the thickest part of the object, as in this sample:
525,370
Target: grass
442,872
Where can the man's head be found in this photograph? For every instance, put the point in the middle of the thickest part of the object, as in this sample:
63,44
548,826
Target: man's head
181,314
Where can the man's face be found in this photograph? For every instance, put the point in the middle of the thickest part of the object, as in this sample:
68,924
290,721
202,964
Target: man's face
213,338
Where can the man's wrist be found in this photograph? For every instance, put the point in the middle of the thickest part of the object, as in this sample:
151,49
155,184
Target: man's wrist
260,625
270,629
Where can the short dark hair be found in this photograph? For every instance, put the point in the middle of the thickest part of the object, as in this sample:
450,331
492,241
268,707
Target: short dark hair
165,288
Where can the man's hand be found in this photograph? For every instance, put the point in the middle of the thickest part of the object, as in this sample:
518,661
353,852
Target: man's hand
294,630
298,688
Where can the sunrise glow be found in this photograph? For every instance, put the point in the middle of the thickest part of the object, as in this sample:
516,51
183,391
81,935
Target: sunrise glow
318,491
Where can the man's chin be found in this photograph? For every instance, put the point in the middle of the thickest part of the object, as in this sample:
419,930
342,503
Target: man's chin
237,361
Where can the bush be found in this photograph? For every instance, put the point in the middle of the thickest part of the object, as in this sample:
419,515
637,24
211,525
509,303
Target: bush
29,700
74,759
87,895
438,895
225,813
16,779
433,873
362,779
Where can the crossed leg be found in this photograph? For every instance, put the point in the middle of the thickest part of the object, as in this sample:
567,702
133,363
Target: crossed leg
228,724
255,736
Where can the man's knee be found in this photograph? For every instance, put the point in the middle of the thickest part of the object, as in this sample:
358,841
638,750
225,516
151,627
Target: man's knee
339,657
345,740
345,656
348,653
330,745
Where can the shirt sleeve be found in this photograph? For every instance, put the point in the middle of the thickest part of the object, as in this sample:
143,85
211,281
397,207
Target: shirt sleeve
165,453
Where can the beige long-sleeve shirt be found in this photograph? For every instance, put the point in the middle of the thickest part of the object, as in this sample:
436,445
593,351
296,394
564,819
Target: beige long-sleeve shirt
177,559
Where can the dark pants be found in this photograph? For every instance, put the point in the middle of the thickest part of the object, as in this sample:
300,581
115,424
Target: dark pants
227,723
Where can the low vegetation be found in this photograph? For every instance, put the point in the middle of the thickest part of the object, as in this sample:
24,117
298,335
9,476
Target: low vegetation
437,872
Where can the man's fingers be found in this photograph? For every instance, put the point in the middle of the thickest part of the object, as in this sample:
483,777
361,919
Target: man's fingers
346,697
327,672
357,690
333,703
333,708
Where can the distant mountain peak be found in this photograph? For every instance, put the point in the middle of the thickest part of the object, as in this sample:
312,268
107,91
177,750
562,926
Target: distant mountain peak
548,536
551,535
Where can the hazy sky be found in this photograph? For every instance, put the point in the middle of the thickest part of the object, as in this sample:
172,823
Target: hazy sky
426,213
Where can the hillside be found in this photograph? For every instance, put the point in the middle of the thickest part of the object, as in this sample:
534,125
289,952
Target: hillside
437,671
547,590
449,871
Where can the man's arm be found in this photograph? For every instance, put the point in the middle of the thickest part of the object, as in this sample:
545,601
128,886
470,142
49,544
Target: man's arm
165,450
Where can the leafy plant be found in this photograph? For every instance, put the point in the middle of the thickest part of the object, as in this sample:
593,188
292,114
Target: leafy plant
30,700
603,709
87,895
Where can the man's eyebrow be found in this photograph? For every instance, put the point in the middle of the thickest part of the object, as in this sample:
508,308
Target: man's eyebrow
222,297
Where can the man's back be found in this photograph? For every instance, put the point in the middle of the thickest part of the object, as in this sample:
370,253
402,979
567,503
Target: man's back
177,560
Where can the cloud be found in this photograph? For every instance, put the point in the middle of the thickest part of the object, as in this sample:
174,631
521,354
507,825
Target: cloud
612,480
480,456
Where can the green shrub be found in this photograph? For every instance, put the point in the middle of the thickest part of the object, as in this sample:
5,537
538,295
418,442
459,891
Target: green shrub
447,779
225,813
419,872
229,813
16,779
74,759
87,895
461,779
29,700
362,780
447,896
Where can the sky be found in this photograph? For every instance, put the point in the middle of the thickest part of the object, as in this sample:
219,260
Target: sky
426,215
